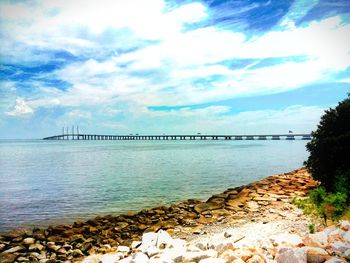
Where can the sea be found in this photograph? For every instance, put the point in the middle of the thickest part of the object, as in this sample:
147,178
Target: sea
44,183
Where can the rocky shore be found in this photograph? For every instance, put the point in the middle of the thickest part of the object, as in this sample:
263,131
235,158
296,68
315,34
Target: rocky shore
331,245
263,202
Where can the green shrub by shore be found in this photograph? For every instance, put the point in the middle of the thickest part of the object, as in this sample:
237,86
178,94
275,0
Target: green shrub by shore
329,164
329,149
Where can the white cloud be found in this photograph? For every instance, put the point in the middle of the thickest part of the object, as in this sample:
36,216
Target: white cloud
78,114
183,60
76,26
85,71
21,109
188,112
253,122
345,80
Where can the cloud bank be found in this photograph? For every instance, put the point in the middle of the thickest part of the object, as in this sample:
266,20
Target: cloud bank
110,62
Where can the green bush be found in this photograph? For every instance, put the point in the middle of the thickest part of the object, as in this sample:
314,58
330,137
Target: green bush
312,228
323,204
329,160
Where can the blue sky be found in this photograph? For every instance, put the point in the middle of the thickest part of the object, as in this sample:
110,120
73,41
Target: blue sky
159,66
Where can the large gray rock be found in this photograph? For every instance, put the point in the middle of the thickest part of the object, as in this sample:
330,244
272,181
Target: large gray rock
335,260
340,246
320,238
316,254
291,255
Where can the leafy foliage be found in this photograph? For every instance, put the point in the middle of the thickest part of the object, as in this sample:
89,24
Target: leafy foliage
324,205
312,228
329,160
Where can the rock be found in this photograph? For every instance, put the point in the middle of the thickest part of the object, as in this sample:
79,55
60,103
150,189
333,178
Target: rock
216,202
52,246
123,249
316,254
222,247
178,244
255,259
36,247
205,220
205,207
42,255
139,258
56,239
212,260
7,258
202,245
347,253
85,247
111,257
121,225
291,255
346,236
335,260
253,206
163,240
62,251
77,253
230,256
94,259
320,238
135,244
14,249
199,255
15,233
345,225
340,246
234,204
154,228
22,259
126,260
39,234
244,254
227,235
2,246
28,241
152,251
148,240
193,248
286,240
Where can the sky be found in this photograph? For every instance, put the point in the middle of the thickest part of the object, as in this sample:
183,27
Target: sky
171,67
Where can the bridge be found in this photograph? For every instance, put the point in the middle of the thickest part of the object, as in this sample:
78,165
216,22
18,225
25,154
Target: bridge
72,136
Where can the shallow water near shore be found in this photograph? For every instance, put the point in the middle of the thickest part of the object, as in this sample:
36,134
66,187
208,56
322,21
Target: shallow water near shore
49,182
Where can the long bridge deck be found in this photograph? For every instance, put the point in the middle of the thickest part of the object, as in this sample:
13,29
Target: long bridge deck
289,136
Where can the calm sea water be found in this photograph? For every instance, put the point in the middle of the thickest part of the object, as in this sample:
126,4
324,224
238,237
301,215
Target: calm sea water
48,182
